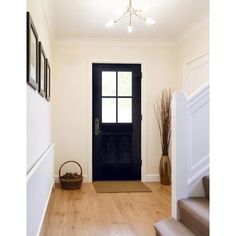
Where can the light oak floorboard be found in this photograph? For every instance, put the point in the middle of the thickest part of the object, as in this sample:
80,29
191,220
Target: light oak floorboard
87,213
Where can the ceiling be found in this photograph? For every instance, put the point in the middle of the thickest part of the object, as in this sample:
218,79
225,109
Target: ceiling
87,18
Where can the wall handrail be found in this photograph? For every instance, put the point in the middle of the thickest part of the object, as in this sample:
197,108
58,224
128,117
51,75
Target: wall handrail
39,161
197,95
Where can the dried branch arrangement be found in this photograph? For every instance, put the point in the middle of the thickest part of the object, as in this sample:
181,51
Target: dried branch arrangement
163,117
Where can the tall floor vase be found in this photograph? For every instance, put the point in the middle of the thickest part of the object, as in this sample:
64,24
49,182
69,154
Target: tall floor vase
165,170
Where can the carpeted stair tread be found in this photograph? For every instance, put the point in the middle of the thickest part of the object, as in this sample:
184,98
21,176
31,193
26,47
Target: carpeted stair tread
172,227
206,185
194,213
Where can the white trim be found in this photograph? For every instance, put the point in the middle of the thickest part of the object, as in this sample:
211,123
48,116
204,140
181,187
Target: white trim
116,42
90,124
203,59
196,58
144,121
40,160
195,107
56,179
198,94
198,174
143,108
199,163
192,28
45,209
152,178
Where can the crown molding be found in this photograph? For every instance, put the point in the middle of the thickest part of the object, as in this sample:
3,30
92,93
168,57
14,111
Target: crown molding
193,27
117,42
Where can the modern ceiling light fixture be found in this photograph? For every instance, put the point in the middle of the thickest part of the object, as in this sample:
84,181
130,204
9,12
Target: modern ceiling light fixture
130,11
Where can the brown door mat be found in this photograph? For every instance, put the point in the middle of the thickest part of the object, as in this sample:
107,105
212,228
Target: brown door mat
120,186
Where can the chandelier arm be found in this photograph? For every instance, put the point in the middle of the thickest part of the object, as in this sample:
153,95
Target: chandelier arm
129,13
135,10
140,17
120,18
130,4
130,19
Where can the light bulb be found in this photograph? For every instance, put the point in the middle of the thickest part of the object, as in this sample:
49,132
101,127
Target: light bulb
130,29
110,23
150,21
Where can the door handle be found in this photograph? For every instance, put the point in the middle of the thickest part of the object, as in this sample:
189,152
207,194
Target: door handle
97,126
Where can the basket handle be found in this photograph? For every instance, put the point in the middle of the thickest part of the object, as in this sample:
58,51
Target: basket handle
81,172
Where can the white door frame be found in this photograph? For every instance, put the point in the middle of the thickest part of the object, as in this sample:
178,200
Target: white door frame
143,111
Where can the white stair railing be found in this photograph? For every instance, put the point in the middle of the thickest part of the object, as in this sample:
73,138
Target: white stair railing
190,144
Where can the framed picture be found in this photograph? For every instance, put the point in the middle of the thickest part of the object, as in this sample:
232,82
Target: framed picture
48,81
42,71
32,53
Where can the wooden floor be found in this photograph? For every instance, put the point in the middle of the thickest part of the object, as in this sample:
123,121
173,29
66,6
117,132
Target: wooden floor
87,213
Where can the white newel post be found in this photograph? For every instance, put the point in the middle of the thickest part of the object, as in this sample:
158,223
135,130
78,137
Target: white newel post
179,151
190,144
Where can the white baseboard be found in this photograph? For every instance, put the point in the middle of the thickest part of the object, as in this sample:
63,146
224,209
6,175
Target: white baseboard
152,178
56,178
45,209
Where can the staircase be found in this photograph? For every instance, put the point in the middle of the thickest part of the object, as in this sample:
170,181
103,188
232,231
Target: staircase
193,217
190,145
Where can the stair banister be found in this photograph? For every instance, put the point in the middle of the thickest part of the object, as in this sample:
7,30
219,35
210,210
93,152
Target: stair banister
189,115
179,175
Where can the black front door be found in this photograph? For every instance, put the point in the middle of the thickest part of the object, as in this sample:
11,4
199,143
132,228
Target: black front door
116,121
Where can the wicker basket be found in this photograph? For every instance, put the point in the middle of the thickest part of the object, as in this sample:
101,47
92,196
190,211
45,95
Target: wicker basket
74,183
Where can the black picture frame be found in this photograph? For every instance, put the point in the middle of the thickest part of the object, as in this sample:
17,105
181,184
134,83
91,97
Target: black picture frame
32,53
48,81
42,71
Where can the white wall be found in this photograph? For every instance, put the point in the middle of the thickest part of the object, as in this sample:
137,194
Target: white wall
162,66
71,101
40,150
194,44
38,109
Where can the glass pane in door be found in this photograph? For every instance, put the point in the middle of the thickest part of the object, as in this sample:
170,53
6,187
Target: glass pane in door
124,110
108,110
108,83
124,83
